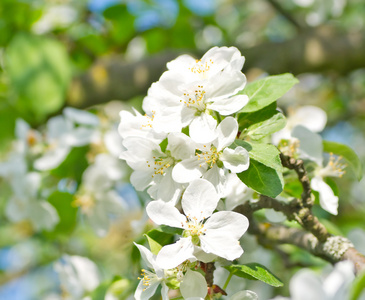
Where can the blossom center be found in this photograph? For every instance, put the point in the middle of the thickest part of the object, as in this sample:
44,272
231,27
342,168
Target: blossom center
201,68
194,228
195,99
334,167
160,164
209,156
148,278
85,202
148,120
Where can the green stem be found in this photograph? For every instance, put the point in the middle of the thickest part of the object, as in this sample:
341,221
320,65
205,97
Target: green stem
227,281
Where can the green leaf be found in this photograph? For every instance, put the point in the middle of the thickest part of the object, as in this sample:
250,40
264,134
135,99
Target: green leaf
262,129
358,286
255,271
347,153
262,179
121,29
157,238
40,72
68,214
265,91
259,124
266,154
264,174
154,246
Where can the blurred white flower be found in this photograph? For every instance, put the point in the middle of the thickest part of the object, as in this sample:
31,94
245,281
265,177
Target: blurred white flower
311,147
74,129
97,197
78,275
335,286
311,117
25,203
55,17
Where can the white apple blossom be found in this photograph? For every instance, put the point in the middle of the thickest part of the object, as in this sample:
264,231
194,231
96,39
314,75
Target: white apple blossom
213,62
150,280
191,90
213,161
153,168
63,134
78,275
311,117
335,286
142,126
26,203
97,197
237,192
216,233
311,147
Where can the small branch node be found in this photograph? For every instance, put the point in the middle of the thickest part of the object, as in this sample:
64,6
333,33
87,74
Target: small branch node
336,246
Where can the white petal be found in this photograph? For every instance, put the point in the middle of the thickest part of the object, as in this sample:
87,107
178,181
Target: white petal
98,220
245,295
311,117
310,144
145,292
147,255
141,179
86,271
217,176
203,256
52,159
199,199
237,192
227,131
223,230
168,190
21,129
225,84
228,106
193,285
203,129
180,145
171,256
81,116
79,136
274,216
306,285
181,62
188,170
164,213
223,57
164,291
236,160
43,215
57,127
139,151
228,223
221,245
327,198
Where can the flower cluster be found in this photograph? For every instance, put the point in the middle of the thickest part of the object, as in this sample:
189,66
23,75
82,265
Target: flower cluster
182,152
36,154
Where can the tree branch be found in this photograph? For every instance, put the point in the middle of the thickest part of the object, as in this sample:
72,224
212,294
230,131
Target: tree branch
333,250
316,239
312,50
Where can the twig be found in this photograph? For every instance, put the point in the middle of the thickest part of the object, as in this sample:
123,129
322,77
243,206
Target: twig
298,166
